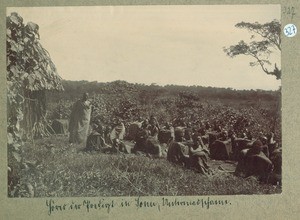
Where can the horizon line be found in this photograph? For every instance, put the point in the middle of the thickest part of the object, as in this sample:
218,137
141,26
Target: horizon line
159,85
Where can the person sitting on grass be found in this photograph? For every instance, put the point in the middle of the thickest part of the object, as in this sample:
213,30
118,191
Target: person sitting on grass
96,141
253,162
265,147
153,126
140,139
198,155
178,152
117,135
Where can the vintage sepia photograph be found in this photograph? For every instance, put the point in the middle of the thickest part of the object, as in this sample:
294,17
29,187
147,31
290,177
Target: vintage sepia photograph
160,100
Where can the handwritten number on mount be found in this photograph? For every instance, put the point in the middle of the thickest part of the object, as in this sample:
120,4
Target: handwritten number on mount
289,11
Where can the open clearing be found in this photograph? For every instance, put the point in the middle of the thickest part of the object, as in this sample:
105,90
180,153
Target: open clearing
65,171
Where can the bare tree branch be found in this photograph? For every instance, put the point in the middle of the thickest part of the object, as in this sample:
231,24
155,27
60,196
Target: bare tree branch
259,50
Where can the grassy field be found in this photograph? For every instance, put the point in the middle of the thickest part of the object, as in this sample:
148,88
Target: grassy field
67,171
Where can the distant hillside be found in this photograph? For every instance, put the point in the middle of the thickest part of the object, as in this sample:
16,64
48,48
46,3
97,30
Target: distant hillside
74,89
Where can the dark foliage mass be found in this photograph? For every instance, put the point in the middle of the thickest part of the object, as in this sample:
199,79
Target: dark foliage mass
259,109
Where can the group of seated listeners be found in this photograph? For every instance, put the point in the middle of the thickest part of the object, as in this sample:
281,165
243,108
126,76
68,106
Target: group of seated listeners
191,146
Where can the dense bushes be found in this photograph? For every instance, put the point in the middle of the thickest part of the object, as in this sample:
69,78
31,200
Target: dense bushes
128,101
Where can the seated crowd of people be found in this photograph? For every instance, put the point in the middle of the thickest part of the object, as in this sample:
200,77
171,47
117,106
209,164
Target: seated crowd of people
191,145
189,142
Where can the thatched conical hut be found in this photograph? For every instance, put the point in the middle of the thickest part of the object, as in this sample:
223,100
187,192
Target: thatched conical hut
30,73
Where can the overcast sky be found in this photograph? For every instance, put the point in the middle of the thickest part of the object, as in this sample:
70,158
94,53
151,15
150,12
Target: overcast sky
180,45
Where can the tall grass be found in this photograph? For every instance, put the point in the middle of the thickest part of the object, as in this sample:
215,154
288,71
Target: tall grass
67,171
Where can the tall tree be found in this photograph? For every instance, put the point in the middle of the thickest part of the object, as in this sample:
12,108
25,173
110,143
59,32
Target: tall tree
260,50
